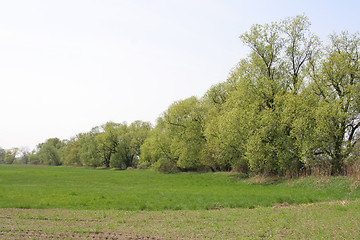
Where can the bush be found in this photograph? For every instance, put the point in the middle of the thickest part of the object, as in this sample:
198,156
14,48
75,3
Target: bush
164,165
34,159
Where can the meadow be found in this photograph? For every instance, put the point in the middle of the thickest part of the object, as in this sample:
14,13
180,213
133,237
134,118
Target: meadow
44,187
64,202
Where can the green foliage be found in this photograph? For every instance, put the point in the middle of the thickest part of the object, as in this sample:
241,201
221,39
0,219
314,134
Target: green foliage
336,80
107,141
185,123
164,165
89,155
49,152
291,106
71,152
2,155
23,157
178,138
10,155
156,146
34,158
130,138
226,132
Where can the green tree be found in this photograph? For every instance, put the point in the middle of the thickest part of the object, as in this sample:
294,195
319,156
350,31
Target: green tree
156,149
89,155
278,62
34,158
24,155
2,155
226,122
122,156
336,82
178,139
130,139
71,152
107,141
185,123
49,152
10,155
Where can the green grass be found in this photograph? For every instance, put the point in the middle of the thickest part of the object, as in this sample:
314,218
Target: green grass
42,187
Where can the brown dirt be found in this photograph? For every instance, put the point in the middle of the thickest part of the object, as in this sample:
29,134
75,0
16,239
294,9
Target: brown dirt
38,234
59,224
285,204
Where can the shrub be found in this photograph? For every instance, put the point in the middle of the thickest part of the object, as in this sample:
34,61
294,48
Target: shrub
165,166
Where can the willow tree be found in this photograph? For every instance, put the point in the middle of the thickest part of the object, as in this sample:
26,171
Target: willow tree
271,78
50,151
178,139
336,82
185,123
130,138
107,141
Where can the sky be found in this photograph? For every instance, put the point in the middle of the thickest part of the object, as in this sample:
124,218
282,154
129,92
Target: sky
68,66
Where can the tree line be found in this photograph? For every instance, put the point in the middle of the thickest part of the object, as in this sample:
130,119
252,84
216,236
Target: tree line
110,145
292,105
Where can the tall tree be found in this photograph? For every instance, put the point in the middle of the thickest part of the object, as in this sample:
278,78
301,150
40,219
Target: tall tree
107,141
49,152
71,152
185,122
336,80
156,150
137,132
2,155
89,155
178,139
10,155
276,70
24,155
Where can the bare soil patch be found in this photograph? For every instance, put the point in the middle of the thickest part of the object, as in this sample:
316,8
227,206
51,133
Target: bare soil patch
326,220
60,224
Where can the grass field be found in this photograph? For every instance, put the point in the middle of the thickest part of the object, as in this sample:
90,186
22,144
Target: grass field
39,202
335,220
40,187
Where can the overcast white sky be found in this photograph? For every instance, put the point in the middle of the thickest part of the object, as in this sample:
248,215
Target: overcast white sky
67,66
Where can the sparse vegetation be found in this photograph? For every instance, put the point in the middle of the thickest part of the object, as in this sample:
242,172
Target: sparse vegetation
331,220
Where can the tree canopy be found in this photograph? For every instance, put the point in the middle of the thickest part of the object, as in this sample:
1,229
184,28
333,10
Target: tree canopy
291,106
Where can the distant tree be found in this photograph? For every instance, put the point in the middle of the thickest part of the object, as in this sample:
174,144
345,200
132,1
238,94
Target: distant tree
227,122
49,152
185,122
157,147
291,105
2,155
34,158
71,152
121,156
24,155
107,141
89,155
178,139
138,132
10,155
130,139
